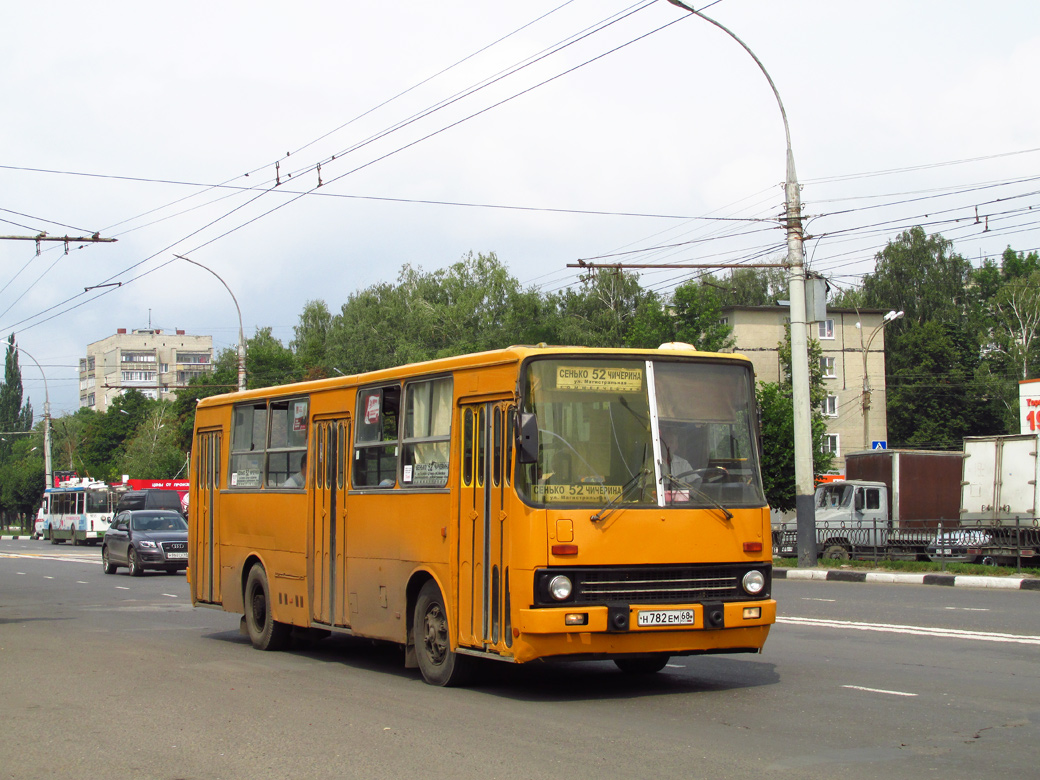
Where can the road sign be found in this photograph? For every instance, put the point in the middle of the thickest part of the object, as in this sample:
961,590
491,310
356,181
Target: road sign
879,445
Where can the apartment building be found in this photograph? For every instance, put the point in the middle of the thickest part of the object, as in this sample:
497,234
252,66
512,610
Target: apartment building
152,361
853,345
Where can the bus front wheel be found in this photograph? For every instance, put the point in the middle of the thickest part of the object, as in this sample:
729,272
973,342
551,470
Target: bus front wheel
439,664
264,631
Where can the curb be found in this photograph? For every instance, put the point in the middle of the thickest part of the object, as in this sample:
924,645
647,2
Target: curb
949,580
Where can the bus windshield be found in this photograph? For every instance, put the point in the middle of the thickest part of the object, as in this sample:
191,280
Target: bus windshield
99,501
641,433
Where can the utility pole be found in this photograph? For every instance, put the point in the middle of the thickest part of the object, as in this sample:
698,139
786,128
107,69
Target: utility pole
803,465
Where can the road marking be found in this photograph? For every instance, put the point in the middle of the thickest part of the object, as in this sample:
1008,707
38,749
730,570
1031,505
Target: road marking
888,628
830,601
82,582
878,690
968,609
171,595
122,587
48,577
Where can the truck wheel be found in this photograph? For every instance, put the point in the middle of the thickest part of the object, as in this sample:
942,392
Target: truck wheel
836,552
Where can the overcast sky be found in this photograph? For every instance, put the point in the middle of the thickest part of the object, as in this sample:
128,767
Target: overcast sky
458,126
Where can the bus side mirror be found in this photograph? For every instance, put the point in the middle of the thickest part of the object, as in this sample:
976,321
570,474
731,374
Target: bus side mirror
527,438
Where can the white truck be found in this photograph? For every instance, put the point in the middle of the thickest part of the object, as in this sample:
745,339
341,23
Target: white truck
915,504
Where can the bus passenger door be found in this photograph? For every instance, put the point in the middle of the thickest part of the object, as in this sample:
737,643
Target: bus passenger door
483,528
328,580
205,566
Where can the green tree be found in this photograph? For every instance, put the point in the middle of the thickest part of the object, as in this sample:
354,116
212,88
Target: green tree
310,340
152,452
22,480
107,433
268,361
920,275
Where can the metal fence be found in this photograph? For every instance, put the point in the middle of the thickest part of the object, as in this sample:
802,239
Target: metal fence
997,543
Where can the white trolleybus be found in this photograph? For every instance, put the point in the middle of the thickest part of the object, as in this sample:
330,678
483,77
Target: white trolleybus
78,510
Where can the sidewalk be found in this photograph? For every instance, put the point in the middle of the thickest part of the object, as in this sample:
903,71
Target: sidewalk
950,580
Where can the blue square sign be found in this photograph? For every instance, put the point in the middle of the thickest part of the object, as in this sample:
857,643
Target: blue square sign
879,445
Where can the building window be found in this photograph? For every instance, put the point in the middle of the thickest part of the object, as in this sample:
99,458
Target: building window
827,368
193,357
830,444
830,406
826,329
138,376
137,357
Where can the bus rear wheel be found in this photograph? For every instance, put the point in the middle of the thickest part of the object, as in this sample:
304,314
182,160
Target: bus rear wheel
264,631
439,664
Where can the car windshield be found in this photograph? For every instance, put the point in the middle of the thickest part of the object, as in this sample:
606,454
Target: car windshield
158,522
637,432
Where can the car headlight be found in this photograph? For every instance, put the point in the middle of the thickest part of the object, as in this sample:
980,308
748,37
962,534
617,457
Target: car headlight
754,582
146,543
560,587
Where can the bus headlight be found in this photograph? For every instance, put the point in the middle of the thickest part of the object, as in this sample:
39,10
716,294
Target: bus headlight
754,582
560,587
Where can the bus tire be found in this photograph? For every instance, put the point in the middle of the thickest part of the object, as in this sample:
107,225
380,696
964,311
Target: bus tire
439,664
109,567
133,563
642,664
264,631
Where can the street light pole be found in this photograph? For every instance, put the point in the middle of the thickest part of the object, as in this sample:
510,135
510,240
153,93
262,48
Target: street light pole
803,464
890,317
241,332
47,471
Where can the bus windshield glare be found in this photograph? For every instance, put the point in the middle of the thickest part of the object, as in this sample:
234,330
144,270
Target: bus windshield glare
641,433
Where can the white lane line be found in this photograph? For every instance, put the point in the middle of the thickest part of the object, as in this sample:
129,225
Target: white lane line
888,628
829,601
82,582
171,595
967,609
48,577
878,690
122,587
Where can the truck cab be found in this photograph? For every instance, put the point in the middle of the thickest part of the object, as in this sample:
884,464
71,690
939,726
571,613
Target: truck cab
851,514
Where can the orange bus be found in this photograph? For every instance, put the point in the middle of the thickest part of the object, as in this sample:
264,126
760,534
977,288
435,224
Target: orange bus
520,504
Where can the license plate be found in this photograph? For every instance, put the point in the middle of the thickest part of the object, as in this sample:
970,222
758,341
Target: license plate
176,556
665,617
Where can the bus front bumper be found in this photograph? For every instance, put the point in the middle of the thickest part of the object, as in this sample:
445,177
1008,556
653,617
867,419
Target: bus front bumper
645,628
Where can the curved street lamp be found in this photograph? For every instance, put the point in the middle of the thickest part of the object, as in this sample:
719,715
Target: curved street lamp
892,316
803,464
241,333
47,472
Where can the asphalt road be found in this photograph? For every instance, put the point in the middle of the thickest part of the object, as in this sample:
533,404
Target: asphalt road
111,675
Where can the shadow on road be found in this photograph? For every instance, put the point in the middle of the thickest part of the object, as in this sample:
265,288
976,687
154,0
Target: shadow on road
544,681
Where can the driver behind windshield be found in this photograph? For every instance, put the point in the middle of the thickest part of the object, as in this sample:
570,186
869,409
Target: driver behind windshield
672,439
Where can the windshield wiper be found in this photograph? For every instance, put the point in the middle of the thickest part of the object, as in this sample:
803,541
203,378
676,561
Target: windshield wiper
612,505
700,494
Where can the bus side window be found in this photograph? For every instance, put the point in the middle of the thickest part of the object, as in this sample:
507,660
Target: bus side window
375,437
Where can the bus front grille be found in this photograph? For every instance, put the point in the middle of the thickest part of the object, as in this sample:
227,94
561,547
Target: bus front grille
652,584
